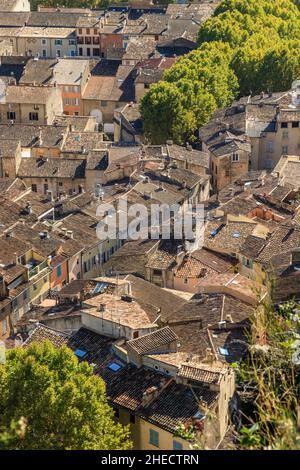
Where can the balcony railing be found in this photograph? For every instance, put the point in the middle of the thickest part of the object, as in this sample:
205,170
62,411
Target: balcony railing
35,270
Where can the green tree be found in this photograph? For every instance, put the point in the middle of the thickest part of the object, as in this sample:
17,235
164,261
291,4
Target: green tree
61,401
192,90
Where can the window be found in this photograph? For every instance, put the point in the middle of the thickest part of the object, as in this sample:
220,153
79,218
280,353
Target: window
270,146
177,445
34,188
58,271
295,124
85,269
11,115
44,53
132,418
284,125
285,149
58,42
80,51
71,101
96,31
44,41
96,40
4,326
88,40
96,52
88,31
94,260
185,280
60,183
79,31
268,163
153,437
58,53
285,134
73,54
72,42
248,263
80,40
235,157
103,104
33,116
88,51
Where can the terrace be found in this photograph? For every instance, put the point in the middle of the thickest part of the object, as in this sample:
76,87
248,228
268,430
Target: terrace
34,267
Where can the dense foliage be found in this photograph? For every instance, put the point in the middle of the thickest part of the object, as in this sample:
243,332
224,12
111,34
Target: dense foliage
269,382
48,400
248,46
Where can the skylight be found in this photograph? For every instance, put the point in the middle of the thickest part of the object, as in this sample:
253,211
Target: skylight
80,353
224,351
114,367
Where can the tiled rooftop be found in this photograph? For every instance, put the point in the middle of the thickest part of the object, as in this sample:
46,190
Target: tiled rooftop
153,341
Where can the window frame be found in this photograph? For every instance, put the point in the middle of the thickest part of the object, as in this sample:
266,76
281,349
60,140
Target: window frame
154,437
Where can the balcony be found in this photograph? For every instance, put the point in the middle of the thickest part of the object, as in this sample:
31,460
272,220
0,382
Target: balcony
34,267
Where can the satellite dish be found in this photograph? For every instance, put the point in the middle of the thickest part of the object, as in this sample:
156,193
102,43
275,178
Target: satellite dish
2,92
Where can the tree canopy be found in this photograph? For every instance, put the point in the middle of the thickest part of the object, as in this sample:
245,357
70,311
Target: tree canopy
246,47
59,400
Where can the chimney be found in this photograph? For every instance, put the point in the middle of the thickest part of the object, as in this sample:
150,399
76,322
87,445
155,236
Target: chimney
69,233
9,234
209,356
28,208
102,308
153,392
